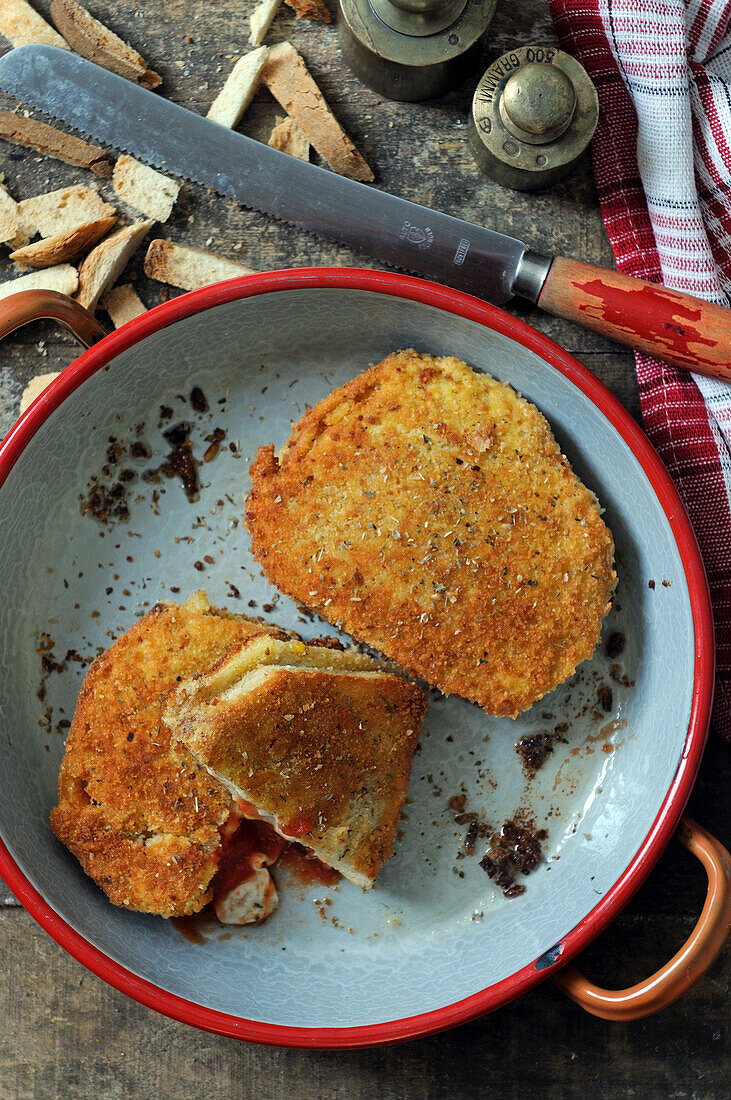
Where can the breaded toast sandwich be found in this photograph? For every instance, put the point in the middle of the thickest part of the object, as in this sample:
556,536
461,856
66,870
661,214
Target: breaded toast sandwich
427,509
137,812
151,825
317,743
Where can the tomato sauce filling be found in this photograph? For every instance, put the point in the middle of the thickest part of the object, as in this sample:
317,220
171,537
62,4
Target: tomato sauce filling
245,835
307,868
250,839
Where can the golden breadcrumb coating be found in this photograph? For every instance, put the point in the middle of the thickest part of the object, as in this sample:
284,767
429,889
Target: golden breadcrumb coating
427,510
140,815
322,750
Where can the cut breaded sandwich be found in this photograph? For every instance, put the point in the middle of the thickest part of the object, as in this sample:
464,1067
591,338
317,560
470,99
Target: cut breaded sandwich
152,800
427,509
137,811
317,743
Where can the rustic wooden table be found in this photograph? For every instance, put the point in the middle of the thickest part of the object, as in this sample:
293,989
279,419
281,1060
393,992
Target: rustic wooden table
63,1033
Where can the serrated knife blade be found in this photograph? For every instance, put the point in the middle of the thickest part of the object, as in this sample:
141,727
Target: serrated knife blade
651,318
117,113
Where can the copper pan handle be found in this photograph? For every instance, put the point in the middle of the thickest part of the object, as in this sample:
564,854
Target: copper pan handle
34,305
692,960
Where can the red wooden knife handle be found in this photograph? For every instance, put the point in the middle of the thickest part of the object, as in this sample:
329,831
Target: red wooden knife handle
647,316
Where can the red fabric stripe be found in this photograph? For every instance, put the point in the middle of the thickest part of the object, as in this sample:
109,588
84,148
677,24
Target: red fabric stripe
705,92
673,411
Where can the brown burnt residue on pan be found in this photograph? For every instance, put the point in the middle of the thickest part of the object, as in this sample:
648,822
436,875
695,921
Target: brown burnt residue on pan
515,850
180,462
109,493
601,735
535,748
198,400
475,827
214,440
618,676
107,496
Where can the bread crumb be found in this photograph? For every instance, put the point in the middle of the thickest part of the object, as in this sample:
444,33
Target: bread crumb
145,189
288,138
23,26
64,278
35,388
189,268
122,303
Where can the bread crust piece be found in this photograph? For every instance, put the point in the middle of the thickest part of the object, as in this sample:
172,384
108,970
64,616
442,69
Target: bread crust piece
189,268
13,231
64,246
239,89
22,25
310,9
54,143
287,137
261,20
93,40
62,210
64,278
324,754
288,79
428,510
105,263
123,304
35,388
137,812
141,187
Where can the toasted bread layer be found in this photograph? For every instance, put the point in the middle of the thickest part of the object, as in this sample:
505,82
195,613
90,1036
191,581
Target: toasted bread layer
138,813
428,510
324,754
261,650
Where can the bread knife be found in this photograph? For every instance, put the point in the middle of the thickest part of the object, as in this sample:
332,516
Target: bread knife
115,112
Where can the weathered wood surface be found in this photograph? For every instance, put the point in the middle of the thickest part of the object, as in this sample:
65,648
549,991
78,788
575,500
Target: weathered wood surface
63,1033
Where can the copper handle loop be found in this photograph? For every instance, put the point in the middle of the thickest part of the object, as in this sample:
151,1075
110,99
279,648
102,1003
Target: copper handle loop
690,963
34,305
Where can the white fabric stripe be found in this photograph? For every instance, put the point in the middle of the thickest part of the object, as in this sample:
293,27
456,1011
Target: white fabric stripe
650,42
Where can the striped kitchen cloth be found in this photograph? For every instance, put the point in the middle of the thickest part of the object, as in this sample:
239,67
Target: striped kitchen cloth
662,161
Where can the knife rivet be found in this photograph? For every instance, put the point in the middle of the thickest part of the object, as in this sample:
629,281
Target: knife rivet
532,96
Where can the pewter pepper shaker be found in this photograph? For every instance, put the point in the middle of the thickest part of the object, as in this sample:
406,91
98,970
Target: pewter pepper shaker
533,114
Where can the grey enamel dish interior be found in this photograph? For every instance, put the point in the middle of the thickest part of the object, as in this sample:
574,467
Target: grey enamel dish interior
435,931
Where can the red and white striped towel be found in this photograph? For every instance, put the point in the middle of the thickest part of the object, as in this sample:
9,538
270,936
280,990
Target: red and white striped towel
662,161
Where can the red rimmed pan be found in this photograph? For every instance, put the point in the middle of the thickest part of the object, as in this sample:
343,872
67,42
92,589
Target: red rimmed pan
428,949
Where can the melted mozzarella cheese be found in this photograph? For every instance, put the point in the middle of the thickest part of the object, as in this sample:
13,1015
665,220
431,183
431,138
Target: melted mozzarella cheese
251,901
